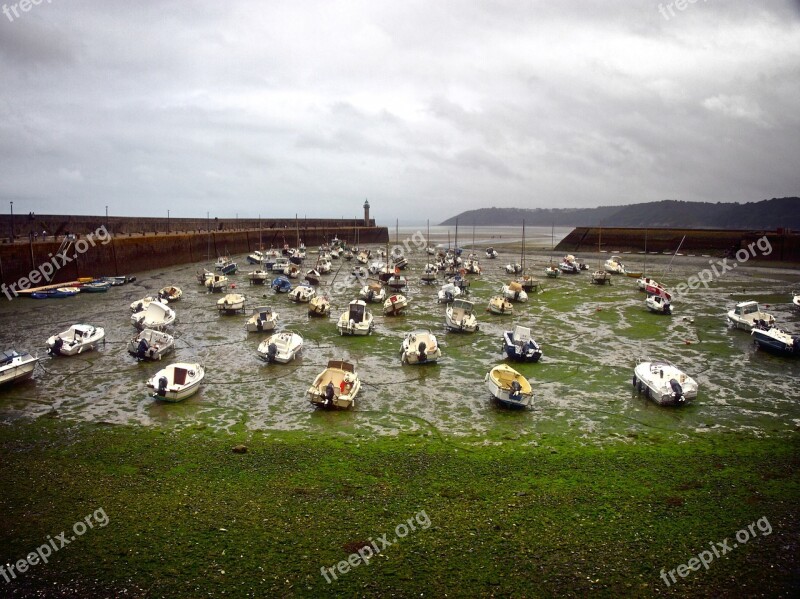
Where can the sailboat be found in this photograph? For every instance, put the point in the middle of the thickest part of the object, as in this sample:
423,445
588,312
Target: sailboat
600,276
527,282
552,271
430,250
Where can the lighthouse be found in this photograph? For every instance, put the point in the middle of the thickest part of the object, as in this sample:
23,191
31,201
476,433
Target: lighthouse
366,213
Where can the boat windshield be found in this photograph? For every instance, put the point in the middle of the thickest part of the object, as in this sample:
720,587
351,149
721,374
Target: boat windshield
357,312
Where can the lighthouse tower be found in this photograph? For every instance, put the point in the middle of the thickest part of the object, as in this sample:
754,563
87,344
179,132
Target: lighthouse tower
366,213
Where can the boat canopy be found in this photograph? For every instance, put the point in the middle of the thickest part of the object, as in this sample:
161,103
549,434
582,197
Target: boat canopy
521,334
357,311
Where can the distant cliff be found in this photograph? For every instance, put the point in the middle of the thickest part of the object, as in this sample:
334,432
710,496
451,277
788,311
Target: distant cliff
766,214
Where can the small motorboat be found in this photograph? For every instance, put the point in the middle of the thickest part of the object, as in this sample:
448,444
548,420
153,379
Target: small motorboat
75,340
400,262
448,293
643,282
514,292
258,277
319,306
529,284
395,304
509,387
664,383
569,265
280,265
430,250
745,316
157,315
141,304
658,305
348,255
653,288
397,281
292,271
116,281
362,257
170,293
520,346
151,345
262,320
257,257
776,340
472,266
225,265
357,320
429,273
231,303
58,293
324,265
335,387
217,283
303,293
420,347
500,305
614,266
281,285
177,381
16,366
491,253
460,317
203,276
552,271
312,276
96,286
373,292
514,268
282,347
335,253
461,282
601,277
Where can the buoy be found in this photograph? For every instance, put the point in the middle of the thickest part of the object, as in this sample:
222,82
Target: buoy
687,342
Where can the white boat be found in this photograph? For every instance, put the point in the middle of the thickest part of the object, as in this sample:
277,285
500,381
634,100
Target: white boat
472,266
177,381
644,282
75,340
664,383
203,275
280,265
217,283
257,257
796,300
141,304
776,340
373,292
335,387
420,347
569,265
460,317
319,306
263,319
396,281
509,387
324,266
552,271
658,305
292,271
348,255
157,315
258,277
231,303
514,292
491,253
395,304
362,257
514,268
357,320
500,305
745,315
151,345
429,273
281,347
334,253
170,293
601,277
519,345
16,366
377,267
312,276
614,266
302,293
448,293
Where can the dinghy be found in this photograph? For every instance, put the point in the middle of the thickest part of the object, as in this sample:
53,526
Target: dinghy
520,346
460,317
658,305
75,340
357,320
420,347
395,304
281,348
335,387
776,340
319,306
151,345
302,294
217,283
745,315
281,285
177,381
170,294
509,387
231,303
500,305
16,366
514,292
262,320
664,383
373,292
157,315
59,293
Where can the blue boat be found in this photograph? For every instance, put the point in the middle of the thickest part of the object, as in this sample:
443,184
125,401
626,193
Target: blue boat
55,293
96,286
520,346
282,285
775,340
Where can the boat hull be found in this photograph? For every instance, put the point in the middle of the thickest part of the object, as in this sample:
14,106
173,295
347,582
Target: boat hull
498,383
782,344
654,379
18,368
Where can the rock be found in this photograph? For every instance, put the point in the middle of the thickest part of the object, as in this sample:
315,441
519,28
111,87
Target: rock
240,449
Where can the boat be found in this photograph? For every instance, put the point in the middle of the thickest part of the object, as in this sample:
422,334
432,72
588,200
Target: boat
177,381
658,305
334,253
745,315
514,268
420,347
514,292
373,292
292,271
257,257
302,293
776,340
520,346
395,304
460,317
500,305
796,300
75,340
16,366
357,320
491,253
263,319
97,286
429,273
281,285
601,277
58,293
141,304
258,277
569,265
664,383
312,276
529,284
116,281
399,262
217,283
280,265
397,281
614,266
448,293
157,315
203,276
225,265
319,306
324,265
170,293
151,344
348,255
472,266
281,347
552,271
509,387
335,387
362,257
231,303
360,272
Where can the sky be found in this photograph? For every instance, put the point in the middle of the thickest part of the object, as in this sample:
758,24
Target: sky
424,108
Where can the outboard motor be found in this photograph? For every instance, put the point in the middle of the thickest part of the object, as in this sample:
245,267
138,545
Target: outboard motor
677,390
370,295
57,345
329,392
448,296
516,390
516,295
796,343
667,308
162,386
141,350
272,351
421,355
138,308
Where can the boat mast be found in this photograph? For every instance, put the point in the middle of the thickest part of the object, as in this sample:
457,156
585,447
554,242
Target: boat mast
297,228
644,272
522,252
455,248
669,266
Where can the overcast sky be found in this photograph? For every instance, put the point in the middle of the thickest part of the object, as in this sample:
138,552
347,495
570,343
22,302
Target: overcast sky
426,108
